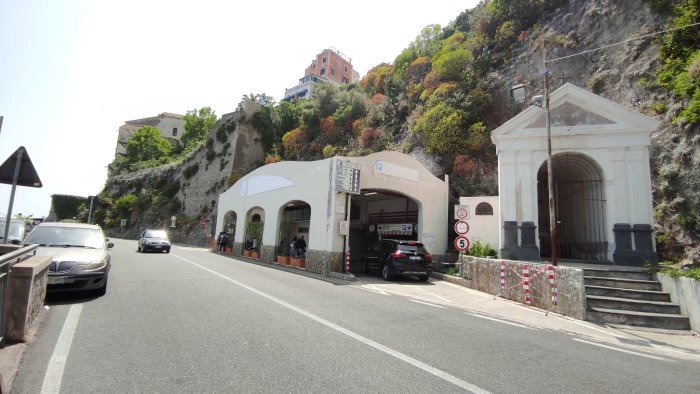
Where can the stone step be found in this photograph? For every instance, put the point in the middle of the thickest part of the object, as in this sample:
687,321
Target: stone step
616,273
639,319
630,284
593,301
634,294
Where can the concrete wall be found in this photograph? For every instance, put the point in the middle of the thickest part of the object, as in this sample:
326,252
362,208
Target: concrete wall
26,294
684,292
485,276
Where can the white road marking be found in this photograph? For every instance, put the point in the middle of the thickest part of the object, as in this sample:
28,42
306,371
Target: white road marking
407,359
426,303
57,363
368,287
432,294
621,350
502,321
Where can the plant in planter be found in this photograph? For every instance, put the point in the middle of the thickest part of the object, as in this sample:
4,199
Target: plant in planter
283,249
254,232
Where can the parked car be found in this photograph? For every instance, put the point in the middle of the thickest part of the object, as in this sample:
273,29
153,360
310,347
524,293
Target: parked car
16,233
397,257
153,240
80,256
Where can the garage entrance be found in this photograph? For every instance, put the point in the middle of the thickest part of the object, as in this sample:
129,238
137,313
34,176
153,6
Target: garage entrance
380,214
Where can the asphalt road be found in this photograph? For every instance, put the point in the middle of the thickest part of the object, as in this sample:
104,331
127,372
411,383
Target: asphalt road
193,321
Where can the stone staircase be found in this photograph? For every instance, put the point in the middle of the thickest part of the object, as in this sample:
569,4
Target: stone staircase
631,298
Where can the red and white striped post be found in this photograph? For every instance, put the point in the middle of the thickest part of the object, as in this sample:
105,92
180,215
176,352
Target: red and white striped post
553,284
347,262
526,283
503,277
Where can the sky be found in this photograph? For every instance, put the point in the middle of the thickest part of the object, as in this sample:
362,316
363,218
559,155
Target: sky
72,71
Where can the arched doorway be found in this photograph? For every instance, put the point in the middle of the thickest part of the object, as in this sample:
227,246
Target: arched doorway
580,208
255,224
294,221
230,227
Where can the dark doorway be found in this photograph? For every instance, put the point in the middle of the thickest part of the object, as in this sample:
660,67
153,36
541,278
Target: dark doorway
580,208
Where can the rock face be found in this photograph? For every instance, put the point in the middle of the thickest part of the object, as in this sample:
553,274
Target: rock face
233,148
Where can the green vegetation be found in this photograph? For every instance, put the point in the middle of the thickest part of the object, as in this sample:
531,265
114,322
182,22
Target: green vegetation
671,269
680,53
477,249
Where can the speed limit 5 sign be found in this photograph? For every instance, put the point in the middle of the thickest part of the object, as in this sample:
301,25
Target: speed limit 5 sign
462,243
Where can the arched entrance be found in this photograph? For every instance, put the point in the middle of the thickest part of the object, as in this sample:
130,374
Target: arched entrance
255,224
580,208
230,227
294,221
377,214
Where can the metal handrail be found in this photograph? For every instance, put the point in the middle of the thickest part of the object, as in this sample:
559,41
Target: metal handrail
6,262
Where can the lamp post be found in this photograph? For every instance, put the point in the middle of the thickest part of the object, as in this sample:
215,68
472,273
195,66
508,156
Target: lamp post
518,94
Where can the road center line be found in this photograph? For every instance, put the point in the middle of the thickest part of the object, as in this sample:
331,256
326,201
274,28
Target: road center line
620,350
57,363
407,359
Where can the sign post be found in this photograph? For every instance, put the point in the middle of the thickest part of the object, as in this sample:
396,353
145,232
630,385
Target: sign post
347,180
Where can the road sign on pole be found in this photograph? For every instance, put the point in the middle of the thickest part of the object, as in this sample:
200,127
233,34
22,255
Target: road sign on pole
462,243
461,227
462,212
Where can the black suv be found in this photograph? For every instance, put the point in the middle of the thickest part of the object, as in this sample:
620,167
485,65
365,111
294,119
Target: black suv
396,257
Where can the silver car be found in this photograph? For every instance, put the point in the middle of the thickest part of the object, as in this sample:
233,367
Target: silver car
81,258
153,240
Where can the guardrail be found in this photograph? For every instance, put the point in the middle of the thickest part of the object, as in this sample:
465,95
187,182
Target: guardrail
6,262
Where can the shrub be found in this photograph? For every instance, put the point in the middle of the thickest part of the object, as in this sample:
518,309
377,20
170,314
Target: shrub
190,171
477,249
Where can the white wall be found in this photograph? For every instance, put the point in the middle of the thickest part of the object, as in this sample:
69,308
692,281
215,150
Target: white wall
484,228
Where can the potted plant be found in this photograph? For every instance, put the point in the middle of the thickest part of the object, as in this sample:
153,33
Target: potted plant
283,248
254,232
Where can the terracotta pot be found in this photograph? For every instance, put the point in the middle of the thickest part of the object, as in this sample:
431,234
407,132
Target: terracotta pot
302,263
246,253
228,250
255,254
284,260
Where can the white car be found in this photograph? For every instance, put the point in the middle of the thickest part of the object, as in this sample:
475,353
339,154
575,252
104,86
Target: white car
153,240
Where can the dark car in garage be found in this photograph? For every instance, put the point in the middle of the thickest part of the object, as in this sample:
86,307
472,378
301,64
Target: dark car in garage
393,257
80,256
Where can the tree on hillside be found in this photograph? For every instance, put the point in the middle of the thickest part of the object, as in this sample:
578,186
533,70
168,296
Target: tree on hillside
198,124
147,146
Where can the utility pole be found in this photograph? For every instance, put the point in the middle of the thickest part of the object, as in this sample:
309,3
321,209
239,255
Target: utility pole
550,172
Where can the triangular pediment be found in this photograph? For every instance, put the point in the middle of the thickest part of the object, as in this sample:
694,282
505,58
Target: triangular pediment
574,110
569,114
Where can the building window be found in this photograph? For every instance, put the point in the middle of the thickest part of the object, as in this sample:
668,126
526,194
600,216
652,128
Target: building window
332,71
346,68
483,208
324,60
174,131
323,71
345,80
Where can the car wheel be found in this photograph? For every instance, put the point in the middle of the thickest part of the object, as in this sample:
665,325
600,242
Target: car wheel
424,278
386,275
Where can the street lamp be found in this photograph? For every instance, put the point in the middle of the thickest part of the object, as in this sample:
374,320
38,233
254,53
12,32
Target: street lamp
518,94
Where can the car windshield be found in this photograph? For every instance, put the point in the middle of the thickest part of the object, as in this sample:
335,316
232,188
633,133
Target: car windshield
66,236
16,230
155,234
413,248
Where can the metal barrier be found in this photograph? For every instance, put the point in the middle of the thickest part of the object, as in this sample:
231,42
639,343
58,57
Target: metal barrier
6,263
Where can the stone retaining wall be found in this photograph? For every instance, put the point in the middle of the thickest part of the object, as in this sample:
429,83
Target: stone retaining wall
485,275
26,294
684,292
